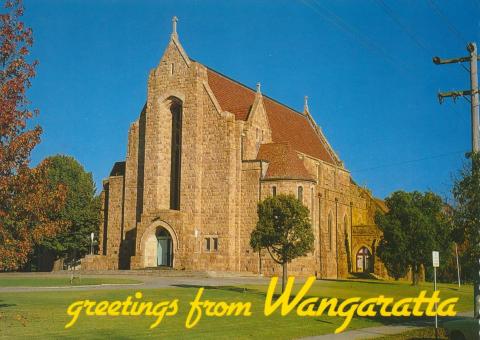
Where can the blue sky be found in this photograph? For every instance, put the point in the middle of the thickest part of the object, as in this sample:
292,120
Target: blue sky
365,65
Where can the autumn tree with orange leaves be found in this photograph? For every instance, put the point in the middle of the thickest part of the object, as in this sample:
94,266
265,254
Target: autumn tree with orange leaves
29,208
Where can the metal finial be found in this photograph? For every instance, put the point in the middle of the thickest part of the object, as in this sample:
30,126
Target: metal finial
258,87
305,103
174,25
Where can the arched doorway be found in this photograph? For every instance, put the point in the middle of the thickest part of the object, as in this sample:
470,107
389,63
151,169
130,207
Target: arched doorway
364,260
157,231
164,248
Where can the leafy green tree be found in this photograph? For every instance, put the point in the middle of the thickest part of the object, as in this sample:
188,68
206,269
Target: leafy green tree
414,226
284,229
81,210
466,215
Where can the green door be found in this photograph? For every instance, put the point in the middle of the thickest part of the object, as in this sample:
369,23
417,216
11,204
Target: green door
164,248
162,251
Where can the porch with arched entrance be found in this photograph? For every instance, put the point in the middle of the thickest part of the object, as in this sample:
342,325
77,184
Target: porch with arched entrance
159,244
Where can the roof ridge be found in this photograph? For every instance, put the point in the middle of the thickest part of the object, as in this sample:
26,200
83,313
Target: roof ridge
251,89
277,143
288,123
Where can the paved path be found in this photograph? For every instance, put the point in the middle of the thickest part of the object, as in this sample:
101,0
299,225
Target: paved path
149,282
364,333
379,331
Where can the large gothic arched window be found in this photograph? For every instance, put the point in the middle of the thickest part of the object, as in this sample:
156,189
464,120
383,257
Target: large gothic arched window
176,155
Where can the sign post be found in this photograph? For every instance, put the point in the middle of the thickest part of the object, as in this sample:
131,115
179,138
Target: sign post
458,264
436,264
92,237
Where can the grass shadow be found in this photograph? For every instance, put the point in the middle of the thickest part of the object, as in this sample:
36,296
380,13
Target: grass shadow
422,321
372,282
324,321
5,305
226,288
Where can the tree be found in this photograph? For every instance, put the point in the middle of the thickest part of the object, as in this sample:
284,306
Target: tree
28,207
466,215
414,226
81,211
284,229
256,246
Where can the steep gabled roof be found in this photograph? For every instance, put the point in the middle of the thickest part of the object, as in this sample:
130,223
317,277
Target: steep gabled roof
232,96
288,125
283,162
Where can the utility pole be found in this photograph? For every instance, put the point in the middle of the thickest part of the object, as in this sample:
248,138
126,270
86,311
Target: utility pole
473,93
472,48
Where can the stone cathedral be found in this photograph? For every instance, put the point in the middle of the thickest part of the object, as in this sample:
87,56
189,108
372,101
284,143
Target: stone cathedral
203,152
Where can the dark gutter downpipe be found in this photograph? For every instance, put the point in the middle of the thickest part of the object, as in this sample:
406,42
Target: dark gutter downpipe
336,231
320,232
351,237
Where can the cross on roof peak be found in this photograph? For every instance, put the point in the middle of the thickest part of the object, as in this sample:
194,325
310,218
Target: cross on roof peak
174,25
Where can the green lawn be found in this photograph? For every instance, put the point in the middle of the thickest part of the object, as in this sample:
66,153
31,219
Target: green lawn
43,314
59,281
424,333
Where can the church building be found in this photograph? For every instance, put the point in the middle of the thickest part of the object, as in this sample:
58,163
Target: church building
204,151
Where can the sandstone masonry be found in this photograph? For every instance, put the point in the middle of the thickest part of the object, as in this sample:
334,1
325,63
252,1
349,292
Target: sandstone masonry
219,147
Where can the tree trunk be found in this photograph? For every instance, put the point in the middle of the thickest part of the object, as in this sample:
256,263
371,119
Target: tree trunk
415,275
259,262
284,276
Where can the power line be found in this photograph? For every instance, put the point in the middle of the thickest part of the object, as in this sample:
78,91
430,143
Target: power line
458,152
405,28
332,18
366,42
453,108
410,32
447,21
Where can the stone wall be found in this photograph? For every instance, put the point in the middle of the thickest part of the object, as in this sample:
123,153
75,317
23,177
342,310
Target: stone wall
219,162
115,215
250,196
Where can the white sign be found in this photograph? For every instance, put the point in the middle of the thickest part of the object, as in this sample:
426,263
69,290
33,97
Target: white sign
436,259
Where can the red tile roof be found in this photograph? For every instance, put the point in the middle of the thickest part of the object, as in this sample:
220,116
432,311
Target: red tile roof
232,96
283,162
287,124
